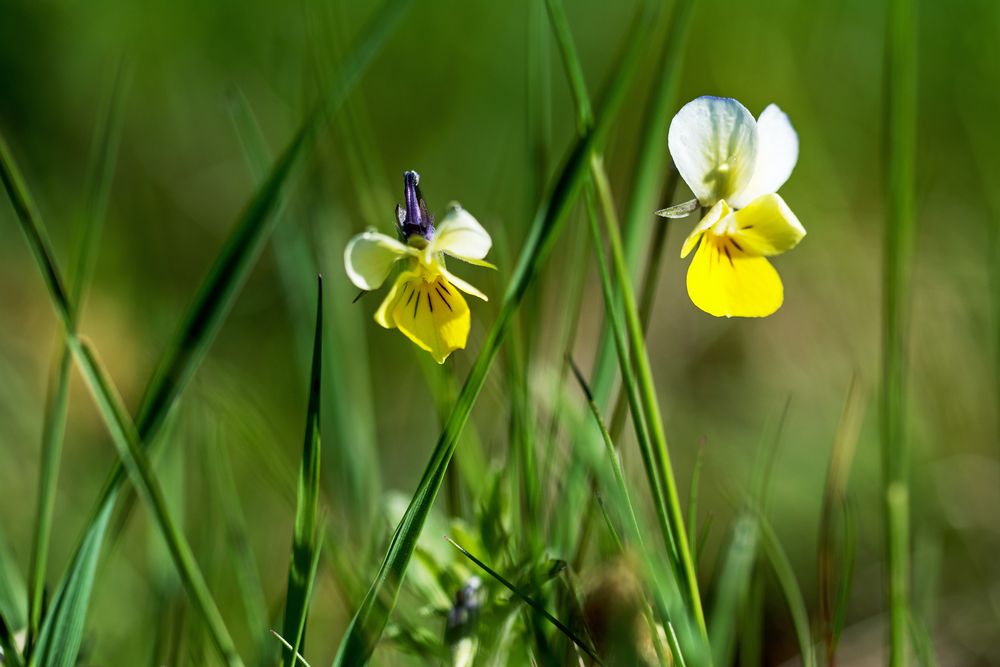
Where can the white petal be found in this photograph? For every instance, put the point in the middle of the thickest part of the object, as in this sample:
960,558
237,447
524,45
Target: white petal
460,235
777,153
713,142
369,257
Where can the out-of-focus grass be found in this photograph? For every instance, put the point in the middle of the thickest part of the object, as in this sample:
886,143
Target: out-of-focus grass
447,95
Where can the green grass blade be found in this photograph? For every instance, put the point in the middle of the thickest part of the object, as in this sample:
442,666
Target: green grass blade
53,431
9,654
237,541
62,628
692,506
527,599
901,130
369,621
101,175
834,502
629,383
231,268
849,552
126,439
347,403
13,596
785,575
635,532
38,241
681,556
298,656
584,118
733,587
647,290
204,318
651,162
305,542
613,457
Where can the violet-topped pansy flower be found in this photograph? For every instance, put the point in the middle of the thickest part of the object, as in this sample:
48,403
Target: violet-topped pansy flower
425,301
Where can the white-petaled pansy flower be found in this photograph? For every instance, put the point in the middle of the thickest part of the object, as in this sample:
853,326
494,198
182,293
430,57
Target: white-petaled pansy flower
735,165
424,302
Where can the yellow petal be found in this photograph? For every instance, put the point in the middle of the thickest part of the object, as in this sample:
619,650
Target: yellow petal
384,313
433,314
766,227
716,213
725,282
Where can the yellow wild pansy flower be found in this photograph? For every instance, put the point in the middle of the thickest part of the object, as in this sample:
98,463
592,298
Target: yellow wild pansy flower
425,302
735,165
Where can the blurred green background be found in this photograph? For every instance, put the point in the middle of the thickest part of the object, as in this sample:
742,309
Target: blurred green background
450,97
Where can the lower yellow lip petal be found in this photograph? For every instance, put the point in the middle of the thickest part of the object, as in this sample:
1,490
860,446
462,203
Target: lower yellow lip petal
725,282
433,314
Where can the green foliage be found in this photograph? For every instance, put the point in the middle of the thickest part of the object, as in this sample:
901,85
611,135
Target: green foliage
584,537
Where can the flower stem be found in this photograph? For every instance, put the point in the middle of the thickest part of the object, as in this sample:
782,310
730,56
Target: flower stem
901,86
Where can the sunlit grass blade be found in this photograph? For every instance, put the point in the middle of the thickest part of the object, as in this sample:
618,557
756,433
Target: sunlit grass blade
785,575
305,541
574,70
900,145
531,602
298,656
101,175
650,167
677,534
733,587
647,291
629,383
369,621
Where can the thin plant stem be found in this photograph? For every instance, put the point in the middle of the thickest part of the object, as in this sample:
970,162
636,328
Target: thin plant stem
901,99
647,391
650,280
